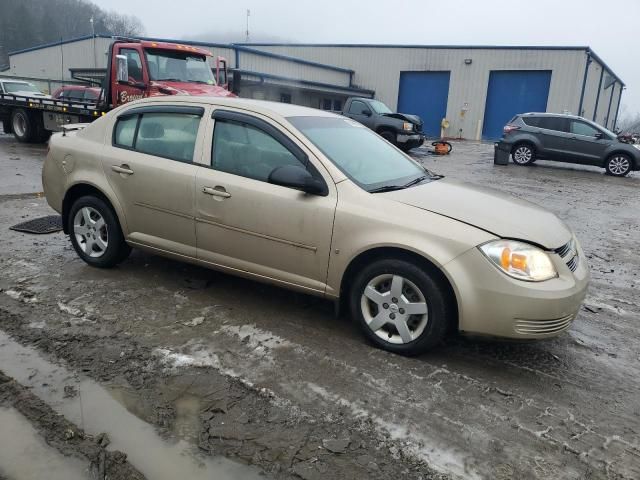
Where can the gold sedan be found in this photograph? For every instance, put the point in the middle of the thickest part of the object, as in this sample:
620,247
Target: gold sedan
315,202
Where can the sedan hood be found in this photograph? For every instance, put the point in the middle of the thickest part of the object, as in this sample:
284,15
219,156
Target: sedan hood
495,212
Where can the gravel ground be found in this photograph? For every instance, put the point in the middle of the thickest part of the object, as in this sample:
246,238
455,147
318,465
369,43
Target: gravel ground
271,379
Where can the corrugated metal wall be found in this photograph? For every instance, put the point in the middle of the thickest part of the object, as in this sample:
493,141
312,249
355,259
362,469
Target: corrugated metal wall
55,61
291,69
379,69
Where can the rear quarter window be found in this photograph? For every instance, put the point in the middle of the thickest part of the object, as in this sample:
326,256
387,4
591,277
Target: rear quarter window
531,121
125,131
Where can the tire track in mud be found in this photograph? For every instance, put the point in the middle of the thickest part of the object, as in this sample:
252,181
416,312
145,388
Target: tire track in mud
66,437
237,419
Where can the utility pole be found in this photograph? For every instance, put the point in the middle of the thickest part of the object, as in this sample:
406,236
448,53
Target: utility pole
248,15
93,34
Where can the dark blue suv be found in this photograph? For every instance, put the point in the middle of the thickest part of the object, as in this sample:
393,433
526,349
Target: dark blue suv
567,138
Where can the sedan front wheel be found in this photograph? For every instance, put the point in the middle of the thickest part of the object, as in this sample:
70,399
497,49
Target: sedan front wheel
400,306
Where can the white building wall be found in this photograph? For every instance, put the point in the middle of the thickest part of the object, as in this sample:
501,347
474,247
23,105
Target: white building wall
55,61
291,69
378,68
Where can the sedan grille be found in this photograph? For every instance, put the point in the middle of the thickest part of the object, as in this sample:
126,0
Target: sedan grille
569,253
543,327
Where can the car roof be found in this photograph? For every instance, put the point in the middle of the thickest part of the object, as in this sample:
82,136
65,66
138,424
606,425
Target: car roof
545,114
258,106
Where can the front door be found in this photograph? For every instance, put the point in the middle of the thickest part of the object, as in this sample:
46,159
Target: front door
585,146
137,75
150,168
248,224
360,112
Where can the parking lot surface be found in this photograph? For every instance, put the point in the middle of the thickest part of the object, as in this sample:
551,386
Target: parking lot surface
272,380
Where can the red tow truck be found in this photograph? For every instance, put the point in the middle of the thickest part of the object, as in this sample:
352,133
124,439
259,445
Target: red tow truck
136,69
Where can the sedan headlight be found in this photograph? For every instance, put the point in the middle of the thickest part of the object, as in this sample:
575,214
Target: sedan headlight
520,260
408,126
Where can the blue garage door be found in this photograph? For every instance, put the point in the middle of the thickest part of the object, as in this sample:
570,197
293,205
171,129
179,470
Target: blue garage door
513,92
425,94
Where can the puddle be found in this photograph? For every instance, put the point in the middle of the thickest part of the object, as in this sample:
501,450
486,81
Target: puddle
24,454
95,410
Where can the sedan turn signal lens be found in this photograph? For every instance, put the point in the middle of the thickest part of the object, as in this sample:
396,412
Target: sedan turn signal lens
520,260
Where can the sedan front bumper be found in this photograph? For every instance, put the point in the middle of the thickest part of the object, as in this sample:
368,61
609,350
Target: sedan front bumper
494,304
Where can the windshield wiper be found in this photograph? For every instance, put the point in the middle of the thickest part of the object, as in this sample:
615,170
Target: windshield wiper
391,188
386,188
415,181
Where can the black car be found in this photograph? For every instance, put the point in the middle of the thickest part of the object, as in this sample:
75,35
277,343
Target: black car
567,138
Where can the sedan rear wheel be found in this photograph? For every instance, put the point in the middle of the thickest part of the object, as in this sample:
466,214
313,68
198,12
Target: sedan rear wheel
400,306
95,232
618,165
523,155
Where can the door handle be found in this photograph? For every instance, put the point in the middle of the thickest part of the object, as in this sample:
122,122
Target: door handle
216,192
122,169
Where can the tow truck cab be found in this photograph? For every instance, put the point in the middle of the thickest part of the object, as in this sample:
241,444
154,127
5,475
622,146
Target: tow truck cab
140,69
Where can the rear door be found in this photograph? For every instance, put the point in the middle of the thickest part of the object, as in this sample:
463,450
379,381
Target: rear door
149,165
245,223
553,134
584,146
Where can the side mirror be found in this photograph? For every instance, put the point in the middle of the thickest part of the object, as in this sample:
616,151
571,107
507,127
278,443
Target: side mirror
367,113
222,75
294,176
599,135
122,66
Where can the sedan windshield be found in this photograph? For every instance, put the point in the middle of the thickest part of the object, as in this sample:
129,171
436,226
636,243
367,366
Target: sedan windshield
364,157
12,87
178,67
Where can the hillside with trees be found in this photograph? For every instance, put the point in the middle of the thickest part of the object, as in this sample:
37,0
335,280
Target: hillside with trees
26,23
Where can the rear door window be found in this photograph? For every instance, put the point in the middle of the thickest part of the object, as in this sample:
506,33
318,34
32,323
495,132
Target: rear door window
558,124
167,135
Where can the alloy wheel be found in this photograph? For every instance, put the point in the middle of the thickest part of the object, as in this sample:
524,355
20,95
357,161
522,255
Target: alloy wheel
619,165
394,309
522,155
91,232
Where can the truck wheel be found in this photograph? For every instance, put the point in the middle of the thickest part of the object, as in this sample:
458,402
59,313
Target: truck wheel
22,125
388,136
6,126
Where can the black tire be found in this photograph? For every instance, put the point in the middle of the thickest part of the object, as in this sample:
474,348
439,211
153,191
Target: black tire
523,154
388,136
22,125
116,250
619,165
439,316
6,125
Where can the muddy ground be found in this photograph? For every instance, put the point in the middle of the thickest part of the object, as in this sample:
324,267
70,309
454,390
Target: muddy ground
243,380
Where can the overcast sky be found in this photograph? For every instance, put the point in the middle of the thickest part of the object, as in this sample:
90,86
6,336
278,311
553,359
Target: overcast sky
609,27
